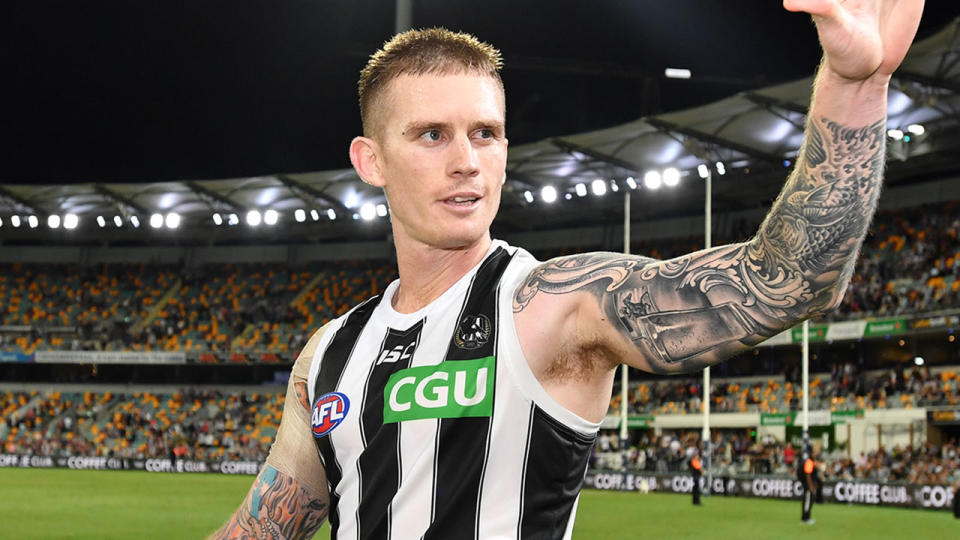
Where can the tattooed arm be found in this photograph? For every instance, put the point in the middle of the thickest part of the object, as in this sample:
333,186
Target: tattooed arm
696,310
289,498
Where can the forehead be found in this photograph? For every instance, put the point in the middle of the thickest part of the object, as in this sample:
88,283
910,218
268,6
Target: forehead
443,97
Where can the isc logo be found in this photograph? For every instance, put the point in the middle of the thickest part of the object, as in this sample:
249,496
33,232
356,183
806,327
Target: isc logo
400,352
329,410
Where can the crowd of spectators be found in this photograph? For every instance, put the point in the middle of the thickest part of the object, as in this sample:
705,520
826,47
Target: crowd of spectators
193,424
735,453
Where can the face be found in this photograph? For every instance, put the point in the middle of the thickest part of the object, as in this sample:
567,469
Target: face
440,156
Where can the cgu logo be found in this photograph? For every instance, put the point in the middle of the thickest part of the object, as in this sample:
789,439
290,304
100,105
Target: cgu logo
328,411
400,352
453,389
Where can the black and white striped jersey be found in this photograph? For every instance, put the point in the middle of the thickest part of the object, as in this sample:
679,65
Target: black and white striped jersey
432,425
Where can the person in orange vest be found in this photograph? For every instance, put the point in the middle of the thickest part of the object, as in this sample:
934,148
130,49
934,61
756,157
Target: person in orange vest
805,471
696,467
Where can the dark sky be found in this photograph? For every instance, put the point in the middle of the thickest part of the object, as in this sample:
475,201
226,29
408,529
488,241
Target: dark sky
148,91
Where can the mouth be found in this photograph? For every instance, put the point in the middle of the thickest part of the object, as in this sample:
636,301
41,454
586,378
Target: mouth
464,201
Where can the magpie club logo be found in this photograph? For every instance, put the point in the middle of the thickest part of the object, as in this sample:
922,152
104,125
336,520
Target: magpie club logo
328,411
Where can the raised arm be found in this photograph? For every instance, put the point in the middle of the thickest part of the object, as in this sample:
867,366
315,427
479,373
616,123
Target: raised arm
698,309
289,498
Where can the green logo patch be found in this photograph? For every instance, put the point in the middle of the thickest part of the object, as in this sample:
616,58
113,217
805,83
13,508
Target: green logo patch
454,389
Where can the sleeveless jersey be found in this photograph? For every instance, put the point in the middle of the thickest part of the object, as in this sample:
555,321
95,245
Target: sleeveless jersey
432,425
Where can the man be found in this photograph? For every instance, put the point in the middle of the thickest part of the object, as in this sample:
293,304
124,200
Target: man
463,402
805,473
696,469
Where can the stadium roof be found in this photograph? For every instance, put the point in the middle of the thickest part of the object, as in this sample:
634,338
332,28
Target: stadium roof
755,134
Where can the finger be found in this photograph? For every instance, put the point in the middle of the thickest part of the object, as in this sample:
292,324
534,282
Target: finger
821,8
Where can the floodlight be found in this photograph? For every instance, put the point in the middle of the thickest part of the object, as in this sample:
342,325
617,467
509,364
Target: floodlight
172,220
15,221
330,214
671,176
135,221
217,219
368,211
156,221
527,196
233,219
70,221
631,182
614,187
916,129
253,218
548,194
703,170
652,180
314,214
581,190
895,134
271,216
53,221
118,221
721,168
382,210
33,221
299,215
599,187
677,73
918,360
101,222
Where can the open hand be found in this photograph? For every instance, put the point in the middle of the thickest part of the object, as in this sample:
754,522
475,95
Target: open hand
863,38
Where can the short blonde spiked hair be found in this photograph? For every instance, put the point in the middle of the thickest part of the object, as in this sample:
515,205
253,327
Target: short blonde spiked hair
419,52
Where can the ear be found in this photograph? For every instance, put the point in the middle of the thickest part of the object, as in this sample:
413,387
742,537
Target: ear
364,154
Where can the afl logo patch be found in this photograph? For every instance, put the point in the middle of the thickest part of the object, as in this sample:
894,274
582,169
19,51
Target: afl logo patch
328,411
473,332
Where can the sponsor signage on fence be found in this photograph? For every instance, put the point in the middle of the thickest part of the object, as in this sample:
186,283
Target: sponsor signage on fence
116,464
11,357
941,417
770,487
108,357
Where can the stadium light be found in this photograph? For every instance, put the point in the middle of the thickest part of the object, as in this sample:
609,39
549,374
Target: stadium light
70,221
677,73
721,168
217,219
330,214
598,187
652,180
314,214
614,187
172,220
299,215
135,221
15,221
527,196
368,212
548,194
581,190
271,216
1,222
233,219
631,182
118,221
101,222
156,221
918,360
53,221
33,221
671,176
895,134
567,196
916,129
703,170
254,218
382,210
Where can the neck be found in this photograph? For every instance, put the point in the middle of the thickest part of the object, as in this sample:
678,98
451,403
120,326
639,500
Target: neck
427,272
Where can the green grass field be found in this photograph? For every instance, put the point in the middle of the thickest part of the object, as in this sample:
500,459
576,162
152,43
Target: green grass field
59,503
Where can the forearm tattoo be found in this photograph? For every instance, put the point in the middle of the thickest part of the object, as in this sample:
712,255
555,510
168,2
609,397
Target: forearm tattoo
698,309
276,508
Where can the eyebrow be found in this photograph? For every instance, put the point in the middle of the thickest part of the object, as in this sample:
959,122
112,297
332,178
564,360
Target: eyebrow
418,127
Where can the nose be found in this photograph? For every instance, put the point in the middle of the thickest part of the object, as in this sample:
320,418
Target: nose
463,160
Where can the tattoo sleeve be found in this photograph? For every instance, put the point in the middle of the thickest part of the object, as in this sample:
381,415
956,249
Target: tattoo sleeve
698,309
276,507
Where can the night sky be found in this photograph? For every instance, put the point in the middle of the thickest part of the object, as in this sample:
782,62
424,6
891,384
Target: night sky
149,91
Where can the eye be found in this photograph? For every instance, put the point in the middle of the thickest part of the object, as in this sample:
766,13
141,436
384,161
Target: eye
485,133
431,135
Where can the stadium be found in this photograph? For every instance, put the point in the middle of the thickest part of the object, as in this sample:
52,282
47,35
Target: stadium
150,313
